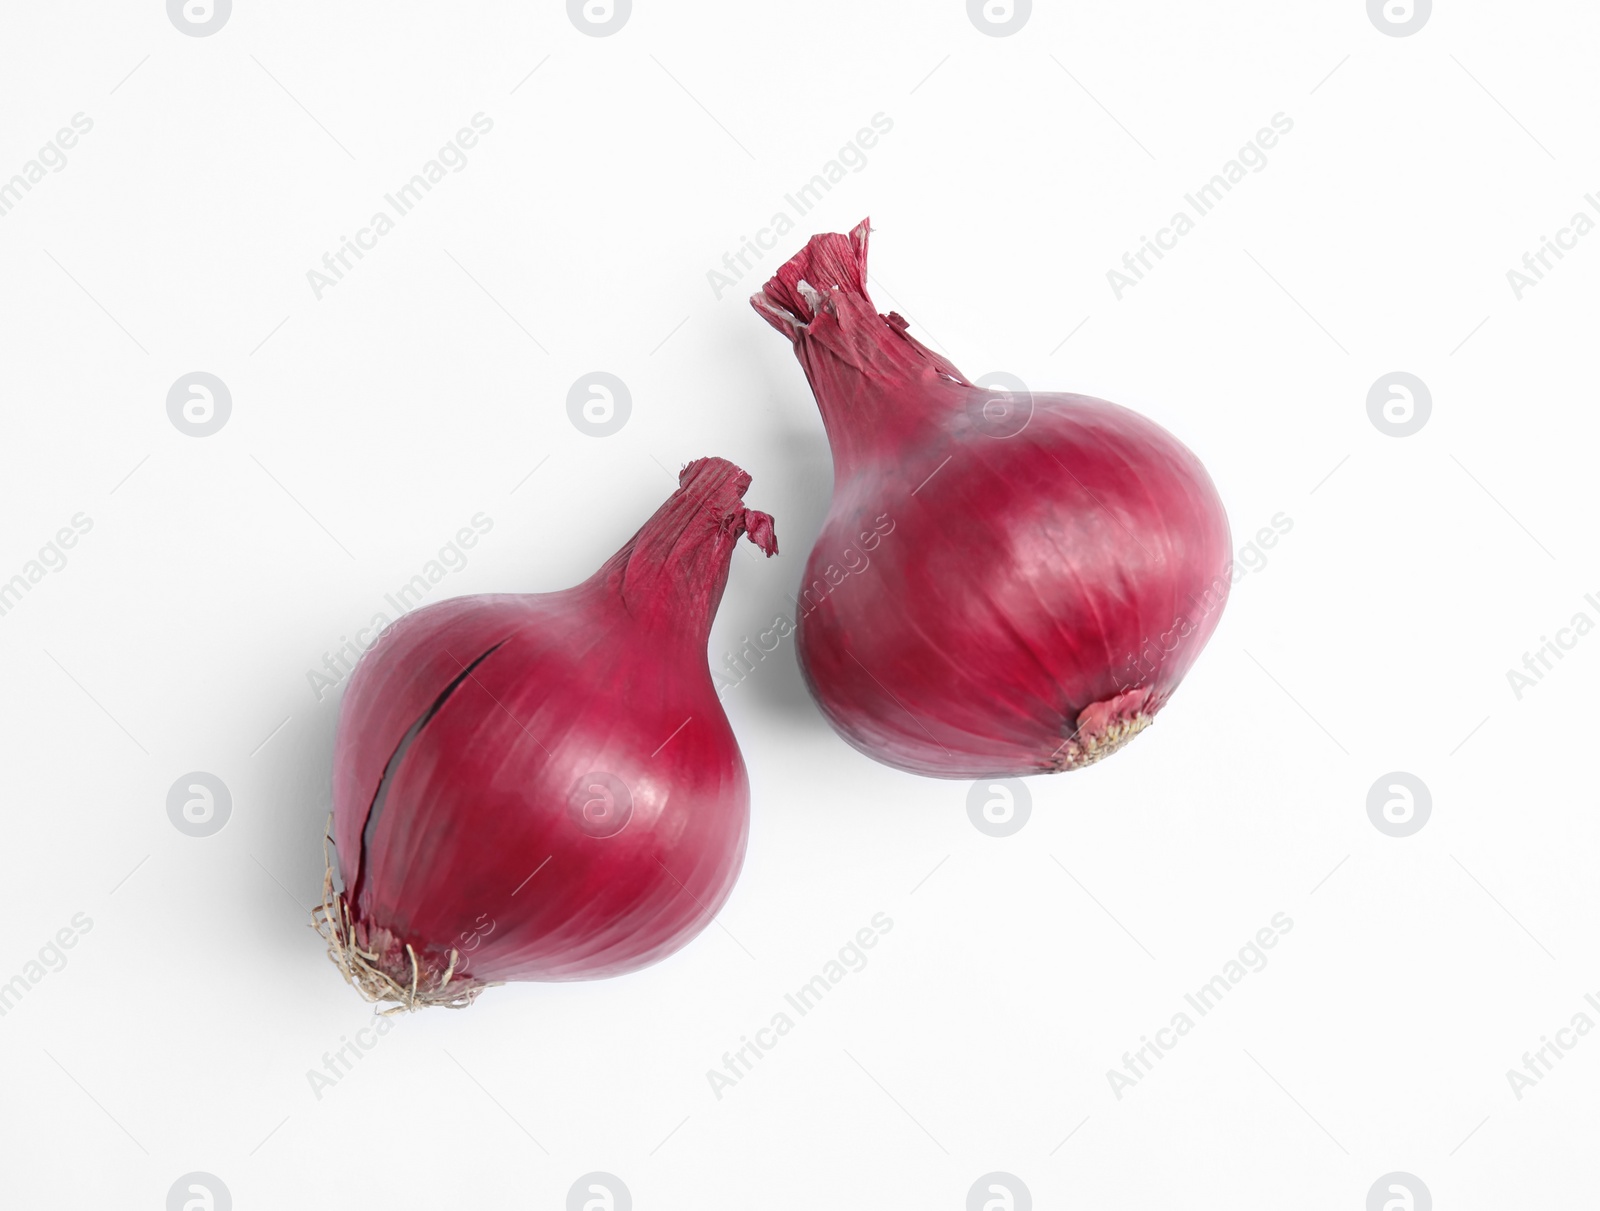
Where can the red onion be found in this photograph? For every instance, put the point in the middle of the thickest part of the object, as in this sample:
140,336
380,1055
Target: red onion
1054,566
544,787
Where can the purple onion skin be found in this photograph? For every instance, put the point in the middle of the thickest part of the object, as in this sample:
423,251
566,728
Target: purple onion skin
1005,584
473,845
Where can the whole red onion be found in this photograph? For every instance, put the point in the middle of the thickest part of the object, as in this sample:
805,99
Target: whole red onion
545,787
1007,583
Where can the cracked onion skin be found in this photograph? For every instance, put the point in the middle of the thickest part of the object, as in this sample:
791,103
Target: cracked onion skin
1054,567
468,746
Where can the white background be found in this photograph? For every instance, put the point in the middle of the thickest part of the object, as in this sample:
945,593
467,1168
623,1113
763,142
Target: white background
369,426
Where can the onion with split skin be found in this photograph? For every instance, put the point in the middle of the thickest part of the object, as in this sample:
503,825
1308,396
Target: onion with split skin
544,787
1057,562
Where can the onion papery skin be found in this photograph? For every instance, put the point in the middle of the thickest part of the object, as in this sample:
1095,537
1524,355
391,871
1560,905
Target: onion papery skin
1041,569
473,807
